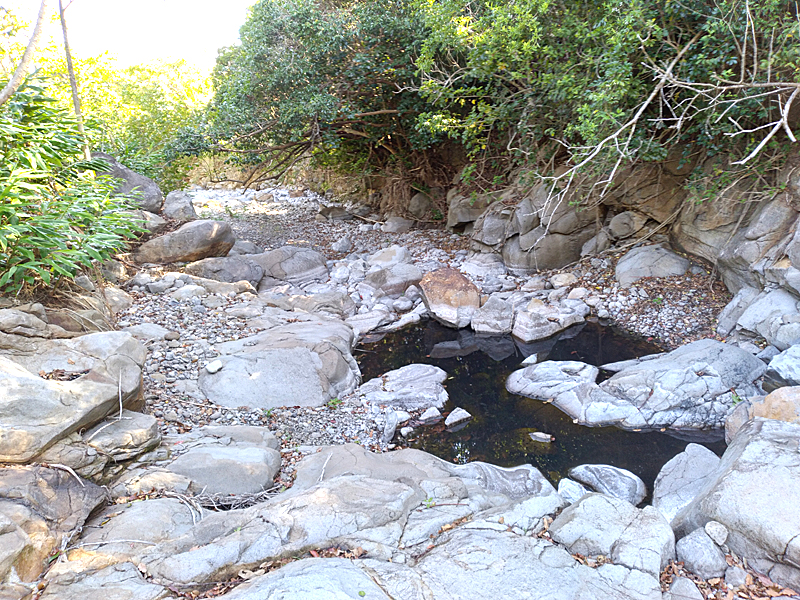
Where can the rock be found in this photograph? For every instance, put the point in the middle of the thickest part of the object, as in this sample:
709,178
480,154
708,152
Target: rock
450,297
299,360
430,415
597,244
214,366
753,494
735,576
457,417
649,261
782,404
293,264
540,321
243,247
733,311
419,205
483,265
125,438
17,322
601,525
626,224
774,316
413,387
116,299
462,210
178,206
144,189
146,331
682,478
563,279
343,244
388,257
394,280
368,321
193,241
693,390
117,582
496,317
228,269
700,555
785,367
237,468
397,225
150,222
539,250
717,532
683,588
38,507
571,490
612,481
38,412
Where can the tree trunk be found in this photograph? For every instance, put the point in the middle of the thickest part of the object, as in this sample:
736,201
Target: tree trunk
27,57
76,101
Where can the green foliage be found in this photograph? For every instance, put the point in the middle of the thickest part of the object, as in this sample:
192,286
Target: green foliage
56,218
336,79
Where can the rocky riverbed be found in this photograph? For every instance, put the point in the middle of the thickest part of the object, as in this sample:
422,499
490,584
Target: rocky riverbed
260,463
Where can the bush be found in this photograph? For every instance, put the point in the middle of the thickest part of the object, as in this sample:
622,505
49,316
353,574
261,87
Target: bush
56,216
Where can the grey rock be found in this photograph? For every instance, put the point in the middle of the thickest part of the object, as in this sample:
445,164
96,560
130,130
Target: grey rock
193,241
395,279
38,412
389,257
601,525
483,265
430,415
626,224
457,417
150,222
147,194
146,331
612,481
126,437
419,205
244,247
17,322
463,210
228,269
365,322
116,299
118,582
178,206
682,478
343,244
733,311
753,494
231,469
293,264
571,490
735,576
785,367
413,387
770,316
700,555
717,532
683,588
495,317
298,360
649,261
397,225
540,321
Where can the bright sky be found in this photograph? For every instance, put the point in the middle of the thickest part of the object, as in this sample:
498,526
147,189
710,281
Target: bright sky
139,31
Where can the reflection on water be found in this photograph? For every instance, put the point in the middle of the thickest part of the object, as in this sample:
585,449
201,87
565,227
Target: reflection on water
499,432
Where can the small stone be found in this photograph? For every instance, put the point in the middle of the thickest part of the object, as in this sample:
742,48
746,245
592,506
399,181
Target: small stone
431,415
458,416
406,431
172,336
735,576
214,366
717,532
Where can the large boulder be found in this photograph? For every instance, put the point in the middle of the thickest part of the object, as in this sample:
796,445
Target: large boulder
782,404
773,315
692,387
539,320
302,360
39,507
753,493
682,478
412,387
451,298
227,268
62,386
193,241
603,525
611,481
145,190
649,261
293,264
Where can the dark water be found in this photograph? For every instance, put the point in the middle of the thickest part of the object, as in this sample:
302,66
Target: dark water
478,367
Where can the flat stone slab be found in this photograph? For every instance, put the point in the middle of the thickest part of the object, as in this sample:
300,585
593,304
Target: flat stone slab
413,387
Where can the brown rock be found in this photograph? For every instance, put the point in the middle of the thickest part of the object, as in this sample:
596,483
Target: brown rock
781,405
194,241
450,297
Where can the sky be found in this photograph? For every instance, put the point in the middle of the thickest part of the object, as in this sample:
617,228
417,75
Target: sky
140,31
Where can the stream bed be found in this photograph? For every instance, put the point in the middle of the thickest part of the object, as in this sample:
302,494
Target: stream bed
499,431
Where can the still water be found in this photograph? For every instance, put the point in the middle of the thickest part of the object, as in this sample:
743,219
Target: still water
498,433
